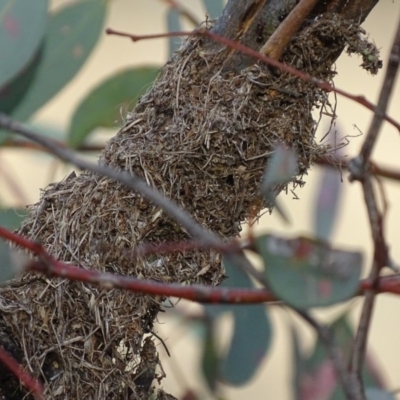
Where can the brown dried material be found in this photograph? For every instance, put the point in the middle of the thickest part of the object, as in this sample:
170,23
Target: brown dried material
200,136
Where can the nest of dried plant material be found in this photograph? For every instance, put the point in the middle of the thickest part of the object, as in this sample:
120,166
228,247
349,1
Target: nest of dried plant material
202,136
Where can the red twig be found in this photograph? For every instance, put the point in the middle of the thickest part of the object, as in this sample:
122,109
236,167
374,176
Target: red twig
268,60
32,384
50,266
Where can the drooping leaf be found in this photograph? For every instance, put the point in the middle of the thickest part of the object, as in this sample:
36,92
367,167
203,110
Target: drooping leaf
173,25
316,375
210,359
378,394
214,7
7,270
13,93
102,106
280,170
250,343
22,26
307,273
252,329
236,277
70,37
12,218
11,261
327,202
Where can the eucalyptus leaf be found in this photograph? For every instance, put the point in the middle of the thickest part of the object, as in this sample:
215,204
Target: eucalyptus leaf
70,37
174,25
22,26
12,218
214,7
327,203
308,273
252,335
106,103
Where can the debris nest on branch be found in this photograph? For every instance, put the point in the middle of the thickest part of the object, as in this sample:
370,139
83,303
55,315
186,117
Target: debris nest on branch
202,136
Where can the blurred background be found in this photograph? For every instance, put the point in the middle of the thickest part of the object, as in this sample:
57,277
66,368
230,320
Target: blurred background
23,173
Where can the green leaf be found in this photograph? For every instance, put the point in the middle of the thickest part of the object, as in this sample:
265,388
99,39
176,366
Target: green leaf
327,203
316,374
236,277
209,360
22,26
250,343
280,169
173,25
378,394
102,106
11,219
307,273
7,271
70,37
214,7
252,329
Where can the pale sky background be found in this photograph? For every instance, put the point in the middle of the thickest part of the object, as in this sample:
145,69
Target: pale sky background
34,171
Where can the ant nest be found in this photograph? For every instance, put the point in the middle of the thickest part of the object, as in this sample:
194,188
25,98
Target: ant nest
201,136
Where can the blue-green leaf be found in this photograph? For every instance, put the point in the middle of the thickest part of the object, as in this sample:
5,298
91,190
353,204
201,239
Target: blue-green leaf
327,202
307,273
236,277
316,373
11,219
252,329
102,106
174,25
214,7
250,343
69,39
378,394
210,360
22,26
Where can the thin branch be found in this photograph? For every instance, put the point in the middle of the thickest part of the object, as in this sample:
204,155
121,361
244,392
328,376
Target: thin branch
384,97
359,171
52,267
334,353
381,259
131,181
267,60
28,145
281,37
375,169
27,380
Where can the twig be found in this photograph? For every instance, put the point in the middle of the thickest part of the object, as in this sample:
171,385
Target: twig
27,380
131,181
384,97
183,11
28,145
359,171
268,60
381,258
334,353
281,37
50,266
375,169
